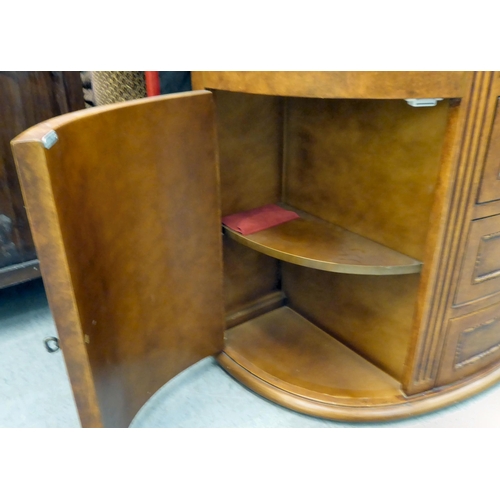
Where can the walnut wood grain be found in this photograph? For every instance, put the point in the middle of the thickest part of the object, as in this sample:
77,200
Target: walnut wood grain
286,350
130,241
248,276
452,204
460,186
373,315
42,212
250,136
312,242
127,228
354,411
258,307
268,356
338,84
370,166
469,327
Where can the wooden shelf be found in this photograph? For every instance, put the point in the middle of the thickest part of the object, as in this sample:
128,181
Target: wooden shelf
314,243
286,359
291,354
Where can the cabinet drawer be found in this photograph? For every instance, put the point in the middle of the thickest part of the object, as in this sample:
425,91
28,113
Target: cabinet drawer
480,270
489,189
472,343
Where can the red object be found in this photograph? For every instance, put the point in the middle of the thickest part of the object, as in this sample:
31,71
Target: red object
152,83
258,219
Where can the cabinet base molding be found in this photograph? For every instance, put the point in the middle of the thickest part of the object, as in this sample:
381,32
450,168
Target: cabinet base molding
363,409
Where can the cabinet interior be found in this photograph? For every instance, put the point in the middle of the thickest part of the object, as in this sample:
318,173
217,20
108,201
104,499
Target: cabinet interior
370,167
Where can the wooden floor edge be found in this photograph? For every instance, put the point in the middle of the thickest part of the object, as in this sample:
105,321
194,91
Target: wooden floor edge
400,409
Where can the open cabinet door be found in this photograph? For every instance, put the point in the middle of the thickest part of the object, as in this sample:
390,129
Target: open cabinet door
123,201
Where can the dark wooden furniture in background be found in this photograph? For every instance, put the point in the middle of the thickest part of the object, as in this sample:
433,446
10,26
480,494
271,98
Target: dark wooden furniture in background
381,302
26,98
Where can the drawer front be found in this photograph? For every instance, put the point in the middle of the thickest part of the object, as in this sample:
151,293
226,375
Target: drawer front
480,270
472,343
490,182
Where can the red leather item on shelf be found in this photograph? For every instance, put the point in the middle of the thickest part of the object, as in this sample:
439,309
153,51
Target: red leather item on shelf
258,219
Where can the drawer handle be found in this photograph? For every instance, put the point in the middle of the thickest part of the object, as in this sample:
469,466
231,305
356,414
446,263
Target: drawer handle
51,344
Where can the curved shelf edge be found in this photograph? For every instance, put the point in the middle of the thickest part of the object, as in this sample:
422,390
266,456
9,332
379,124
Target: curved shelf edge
363,410
314,243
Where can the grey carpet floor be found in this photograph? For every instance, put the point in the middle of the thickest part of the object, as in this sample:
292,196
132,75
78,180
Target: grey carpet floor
35,390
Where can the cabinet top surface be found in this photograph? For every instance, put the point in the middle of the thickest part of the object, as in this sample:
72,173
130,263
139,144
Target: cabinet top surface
339,84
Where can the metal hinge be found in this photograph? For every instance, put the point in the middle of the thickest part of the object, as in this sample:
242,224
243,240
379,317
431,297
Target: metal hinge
423,103
49,139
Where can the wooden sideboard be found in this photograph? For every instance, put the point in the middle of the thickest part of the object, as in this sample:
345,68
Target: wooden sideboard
26,98
381,301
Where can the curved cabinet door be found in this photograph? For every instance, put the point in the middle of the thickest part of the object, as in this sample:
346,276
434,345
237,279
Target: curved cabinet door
124,207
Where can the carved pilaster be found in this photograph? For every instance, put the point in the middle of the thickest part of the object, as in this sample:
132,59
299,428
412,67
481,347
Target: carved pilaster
464,155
